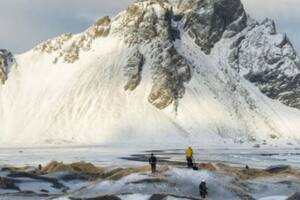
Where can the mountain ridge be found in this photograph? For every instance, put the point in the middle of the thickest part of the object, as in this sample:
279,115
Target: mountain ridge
217,68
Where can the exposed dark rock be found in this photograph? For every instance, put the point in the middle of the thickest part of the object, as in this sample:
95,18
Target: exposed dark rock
158,197
170,72
164,196
8,184
133,70
269,61
144,25
6,58
149,180
295,196
101,28
277,168
55,183
45,191
211,19
106,197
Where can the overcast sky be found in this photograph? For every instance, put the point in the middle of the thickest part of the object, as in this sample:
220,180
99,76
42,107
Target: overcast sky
25,23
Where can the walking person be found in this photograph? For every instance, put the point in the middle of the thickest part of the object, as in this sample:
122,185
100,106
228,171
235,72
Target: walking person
153,162
189,157
203,189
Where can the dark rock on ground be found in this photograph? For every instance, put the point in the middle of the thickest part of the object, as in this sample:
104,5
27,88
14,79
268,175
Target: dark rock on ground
45,191
158,197
8,184
277,168
295,196
164,196
106,197
55,183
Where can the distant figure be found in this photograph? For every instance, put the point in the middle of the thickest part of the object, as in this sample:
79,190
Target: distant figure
152,162
189,157
247,167
203,189
40,167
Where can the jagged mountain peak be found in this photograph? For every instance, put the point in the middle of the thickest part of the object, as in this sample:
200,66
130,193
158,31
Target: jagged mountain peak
205,21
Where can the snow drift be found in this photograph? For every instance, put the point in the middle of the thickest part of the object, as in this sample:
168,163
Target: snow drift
176,72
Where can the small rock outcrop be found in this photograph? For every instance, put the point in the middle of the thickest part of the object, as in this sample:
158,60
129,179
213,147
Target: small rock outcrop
278,168
67,47
133,70
6,60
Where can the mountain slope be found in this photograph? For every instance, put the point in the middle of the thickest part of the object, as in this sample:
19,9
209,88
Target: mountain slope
199,72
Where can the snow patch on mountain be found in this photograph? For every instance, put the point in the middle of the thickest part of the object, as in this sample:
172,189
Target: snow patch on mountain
152,74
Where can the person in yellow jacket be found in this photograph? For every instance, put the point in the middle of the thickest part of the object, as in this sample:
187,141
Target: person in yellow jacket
189,157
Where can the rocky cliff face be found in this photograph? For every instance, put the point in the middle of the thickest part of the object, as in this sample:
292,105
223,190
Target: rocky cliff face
209,20
153,23
268,60
6,59
259,53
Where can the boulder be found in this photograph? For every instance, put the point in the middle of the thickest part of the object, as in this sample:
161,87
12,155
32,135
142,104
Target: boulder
277,168
8,184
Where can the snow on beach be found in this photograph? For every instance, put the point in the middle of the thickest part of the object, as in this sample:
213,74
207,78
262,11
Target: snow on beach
226,180
168,183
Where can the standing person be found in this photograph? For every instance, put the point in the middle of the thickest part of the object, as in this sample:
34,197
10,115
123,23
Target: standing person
189,157
152,162
203,189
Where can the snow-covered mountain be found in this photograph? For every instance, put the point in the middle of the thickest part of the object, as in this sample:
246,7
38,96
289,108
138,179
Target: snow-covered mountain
162,72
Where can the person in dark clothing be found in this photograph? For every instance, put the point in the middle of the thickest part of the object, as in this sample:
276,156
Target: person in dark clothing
152,162
190,162
203,189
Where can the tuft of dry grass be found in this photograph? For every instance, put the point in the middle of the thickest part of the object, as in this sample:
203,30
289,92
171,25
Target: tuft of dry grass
80,167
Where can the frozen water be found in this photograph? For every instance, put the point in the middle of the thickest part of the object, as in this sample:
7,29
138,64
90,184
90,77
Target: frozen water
112,156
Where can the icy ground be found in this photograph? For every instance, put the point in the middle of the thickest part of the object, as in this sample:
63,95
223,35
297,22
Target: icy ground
136,183
112,156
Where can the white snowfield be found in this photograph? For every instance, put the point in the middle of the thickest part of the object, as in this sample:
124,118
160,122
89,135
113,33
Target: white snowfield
48,101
